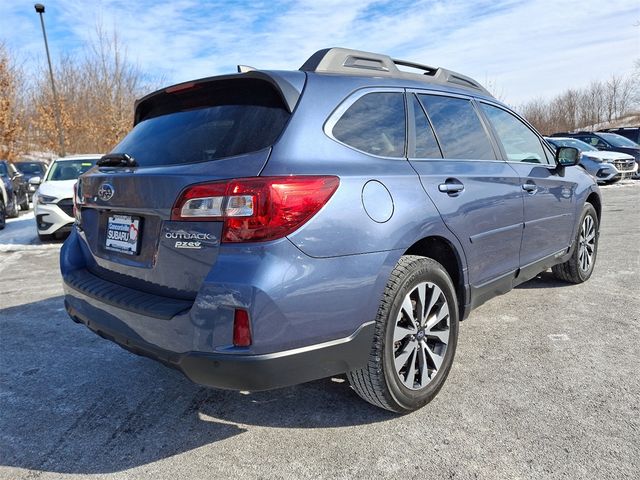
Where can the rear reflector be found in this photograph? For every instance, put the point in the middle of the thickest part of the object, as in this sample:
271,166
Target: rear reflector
258,208
241,328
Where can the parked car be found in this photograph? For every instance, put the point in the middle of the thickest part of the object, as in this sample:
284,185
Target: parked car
268,228
53,201
606,141
16,188
632,133
33,173
605,166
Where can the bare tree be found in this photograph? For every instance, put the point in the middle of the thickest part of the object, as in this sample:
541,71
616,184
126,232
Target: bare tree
11,108
97,94
587,107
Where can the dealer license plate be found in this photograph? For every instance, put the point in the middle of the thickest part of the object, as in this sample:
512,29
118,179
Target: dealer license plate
123,232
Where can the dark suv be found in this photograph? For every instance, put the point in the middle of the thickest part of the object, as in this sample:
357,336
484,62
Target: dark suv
15,187
33,174
267,228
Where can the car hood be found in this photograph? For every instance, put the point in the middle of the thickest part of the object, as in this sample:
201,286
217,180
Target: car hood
607,156
57,188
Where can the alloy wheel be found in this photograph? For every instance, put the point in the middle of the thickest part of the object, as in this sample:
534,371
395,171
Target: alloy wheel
586,243
421,335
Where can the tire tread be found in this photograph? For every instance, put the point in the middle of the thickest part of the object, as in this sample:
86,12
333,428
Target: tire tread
569,270
369,382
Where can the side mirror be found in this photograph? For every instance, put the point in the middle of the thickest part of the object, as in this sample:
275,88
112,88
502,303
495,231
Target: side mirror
567,156
35,181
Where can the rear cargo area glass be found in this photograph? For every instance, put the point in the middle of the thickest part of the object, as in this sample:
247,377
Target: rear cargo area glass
206,123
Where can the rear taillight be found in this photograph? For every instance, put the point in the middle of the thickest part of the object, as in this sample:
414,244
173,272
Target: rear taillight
258,208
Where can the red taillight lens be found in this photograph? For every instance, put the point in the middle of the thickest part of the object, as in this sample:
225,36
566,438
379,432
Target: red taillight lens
241,328
256,209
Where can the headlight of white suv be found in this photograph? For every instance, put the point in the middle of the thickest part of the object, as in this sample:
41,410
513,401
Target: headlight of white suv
44,199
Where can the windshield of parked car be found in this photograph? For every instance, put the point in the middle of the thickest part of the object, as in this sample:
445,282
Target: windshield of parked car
572,142
30,168
618,140
69,169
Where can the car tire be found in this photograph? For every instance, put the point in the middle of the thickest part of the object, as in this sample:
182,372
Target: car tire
3,215
14,212
412,352
45,238
24,205
580,266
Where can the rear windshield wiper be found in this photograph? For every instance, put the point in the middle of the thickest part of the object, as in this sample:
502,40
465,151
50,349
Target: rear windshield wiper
117,160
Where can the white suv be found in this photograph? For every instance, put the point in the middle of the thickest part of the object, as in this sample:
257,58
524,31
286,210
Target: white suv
53,201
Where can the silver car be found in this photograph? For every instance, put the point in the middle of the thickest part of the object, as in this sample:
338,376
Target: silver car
605,167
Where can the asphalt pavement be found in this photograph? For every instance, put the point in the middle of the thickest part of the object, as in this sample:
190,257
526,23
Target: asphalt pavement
545,384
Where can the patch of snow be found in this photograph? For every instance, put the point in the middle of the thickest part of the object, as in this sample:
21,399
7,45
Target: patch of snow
20,234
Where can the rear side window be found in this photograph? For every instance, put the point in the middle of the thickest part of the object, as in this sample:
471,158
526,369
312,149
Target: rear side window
207,123
374,124
458,128
426,144
518,141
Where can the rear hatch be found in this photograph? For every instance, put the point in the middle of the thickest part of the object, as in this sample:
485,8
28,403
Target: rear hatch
208,130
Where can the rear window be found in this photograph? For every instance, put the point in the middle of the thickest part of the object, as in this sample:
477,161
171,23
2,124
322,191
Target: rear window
207,123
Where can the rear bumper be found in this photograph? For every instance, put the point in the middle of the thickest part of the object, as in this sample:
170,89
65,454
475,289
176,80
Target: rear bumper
250,372
306,322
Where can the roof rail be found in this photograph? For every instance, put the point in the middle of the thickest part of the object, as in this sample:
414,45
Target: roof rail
356,62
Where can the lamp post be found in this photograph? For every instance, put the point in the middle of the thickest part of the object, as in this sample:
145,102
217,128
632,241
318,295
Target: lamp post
56,107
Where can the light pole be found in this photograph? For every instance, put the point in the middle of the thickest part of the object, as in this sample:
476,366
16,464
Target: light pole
56,107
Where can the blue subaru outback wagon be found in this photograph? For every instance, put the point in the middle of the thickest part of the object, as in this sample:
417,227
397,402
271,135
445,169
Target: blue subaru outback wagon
268,228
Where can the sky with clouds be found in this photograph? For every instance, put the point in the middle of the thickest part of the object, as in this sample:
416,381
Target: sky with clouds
523,49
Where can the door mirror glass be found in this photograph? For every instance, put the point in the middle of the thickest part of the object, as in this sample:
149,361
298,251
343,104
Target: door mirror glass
567,156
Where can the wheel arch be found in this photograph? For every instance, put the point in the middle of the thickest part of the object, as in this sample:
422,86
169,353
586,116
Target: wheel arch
445,253
594,199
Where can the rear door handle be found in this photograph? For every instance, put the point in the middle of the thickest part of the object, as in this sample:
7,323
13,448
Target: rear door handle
530,187
450,186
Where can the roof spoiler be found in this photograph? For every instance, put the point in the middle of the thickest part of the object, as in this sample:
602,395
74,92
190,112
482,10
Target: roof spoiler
288,86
